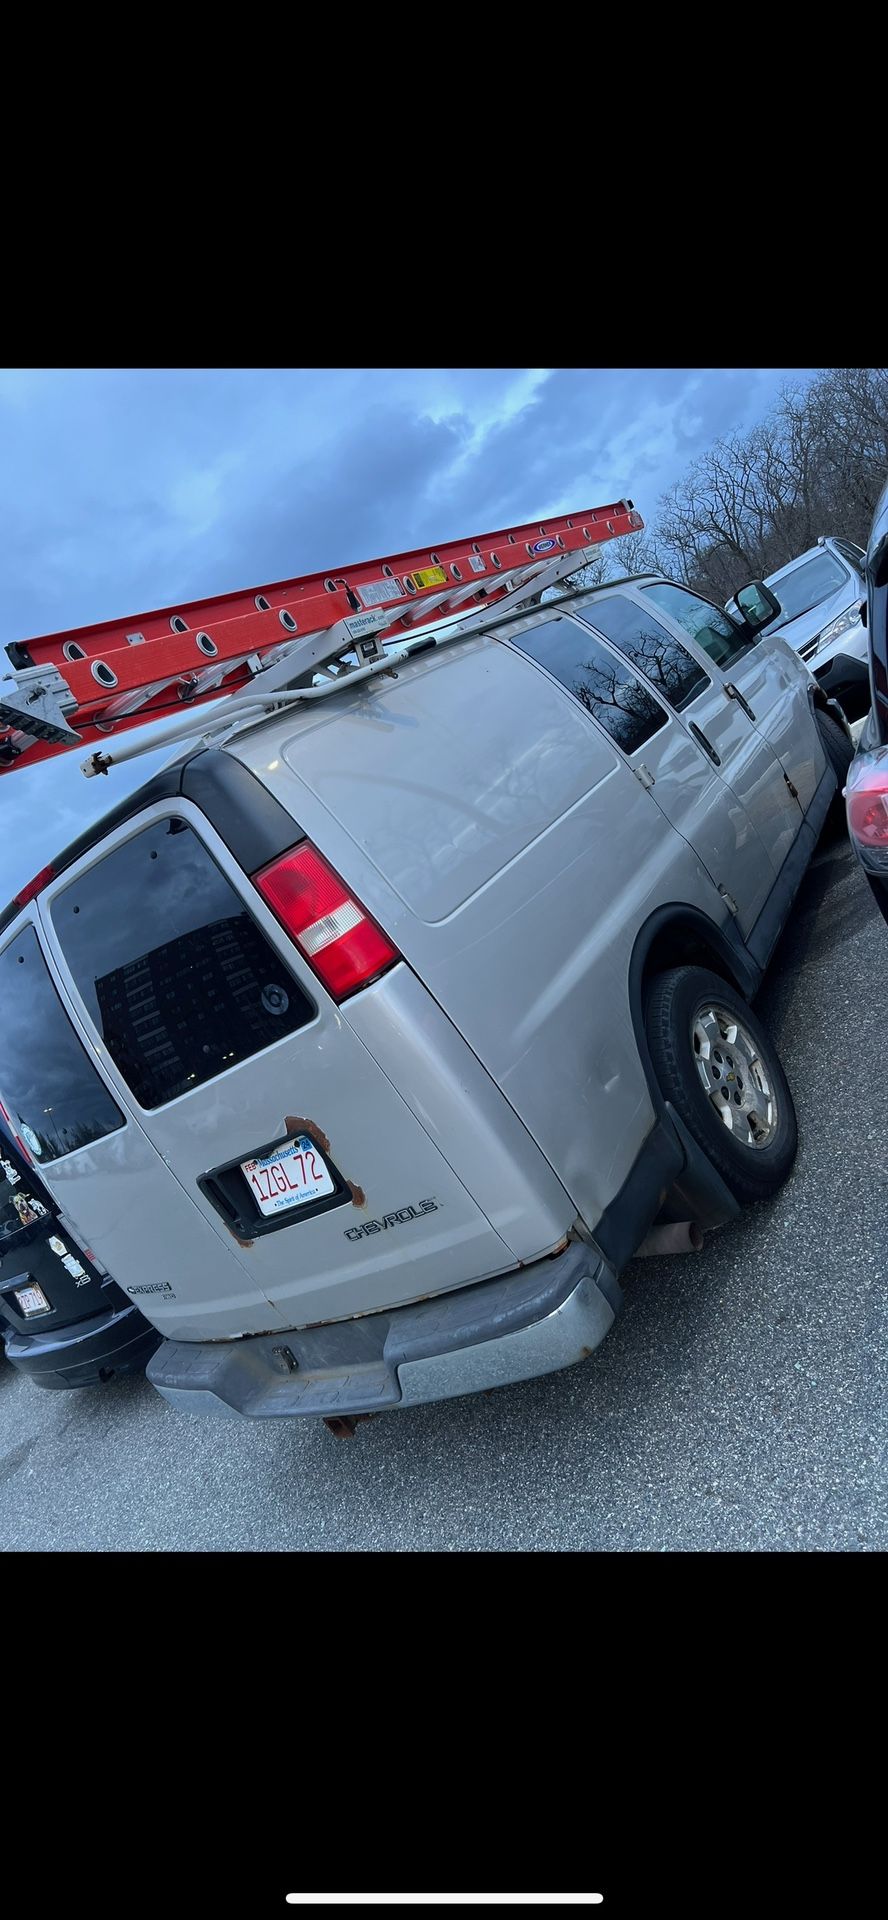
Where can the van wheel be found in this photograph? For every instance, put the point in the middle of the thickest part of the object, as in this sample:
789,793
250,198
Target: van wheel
715,1062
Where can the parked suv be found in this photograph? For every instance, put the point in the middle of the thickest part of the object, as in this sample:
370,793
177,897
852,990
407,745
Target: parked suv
367,1048
63,1321
821,594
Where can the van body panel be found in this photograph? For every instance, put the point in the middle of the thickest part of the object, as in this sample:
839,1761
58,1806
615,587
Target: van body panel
532,967
463,1111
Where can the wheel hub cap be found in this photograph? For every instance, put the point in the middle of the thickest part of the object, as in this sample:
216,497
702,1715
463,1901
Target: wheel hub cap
733,1076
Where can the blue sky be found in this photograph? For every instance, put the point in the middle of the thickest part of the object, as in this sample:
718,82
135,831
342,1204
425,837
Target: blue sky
124,489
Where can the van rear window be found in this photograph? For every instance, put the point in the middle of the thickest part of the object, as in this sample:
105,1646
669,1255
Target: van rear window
176,976
52,1092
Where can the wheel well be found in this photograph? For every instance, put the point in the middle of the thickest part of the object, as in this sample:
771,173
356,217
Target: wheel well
685,944
681,936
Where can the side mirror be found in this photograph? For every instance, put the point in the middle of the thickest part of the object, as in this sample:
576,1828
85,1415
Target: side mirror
757,604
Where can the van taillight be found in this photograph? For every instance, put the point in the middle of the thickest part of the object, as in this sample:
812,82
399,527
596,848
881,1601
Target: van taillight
337,938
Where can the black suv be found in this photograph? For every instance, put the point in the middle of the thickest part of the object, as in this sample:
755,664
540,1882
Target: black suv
64,1321
867,788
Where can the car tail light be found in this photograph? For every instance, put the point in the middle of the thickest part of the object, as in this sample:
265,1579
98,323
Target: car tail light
866,796
337,938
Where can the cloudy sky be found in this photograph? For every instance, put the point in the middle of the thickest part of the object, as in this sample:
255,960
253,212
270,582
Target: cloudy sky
124,490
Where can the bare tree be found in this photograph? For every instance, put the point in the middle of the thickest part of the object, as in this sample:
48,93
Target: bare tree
815,464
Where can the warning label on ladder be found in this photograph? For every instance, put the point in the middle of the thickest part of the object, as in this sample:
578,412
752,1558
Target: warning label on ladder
376,591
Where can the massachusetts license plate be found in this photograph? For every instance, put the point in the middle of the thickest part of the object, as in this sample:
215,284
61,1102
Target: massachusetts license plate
32,1300
289,1177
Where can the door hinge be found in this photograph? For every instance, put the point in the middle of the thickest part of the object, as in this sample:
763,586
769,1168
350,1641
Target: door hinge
734,693
793,790
728,899
643,774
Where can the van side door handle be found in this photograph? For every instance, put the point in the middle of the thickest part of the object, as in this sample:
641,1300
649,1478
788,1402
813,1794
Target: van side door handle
705,744
734,693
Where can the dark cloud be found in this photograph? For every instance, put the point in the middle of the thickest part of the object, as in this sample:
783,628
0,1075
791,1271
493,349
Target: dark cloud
128,489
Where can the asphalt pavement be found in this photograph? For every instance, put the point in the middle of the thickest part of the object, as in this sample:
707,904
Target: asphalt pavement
738,1403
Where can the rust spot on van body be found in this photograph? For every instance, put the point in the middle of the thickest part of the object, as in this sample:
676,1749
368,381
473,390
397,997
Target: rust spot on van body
297,1123
293,1123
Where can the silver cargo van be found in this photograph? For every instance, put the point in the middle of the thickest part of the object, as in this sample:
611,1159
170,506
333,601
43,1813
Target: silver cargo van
366,1048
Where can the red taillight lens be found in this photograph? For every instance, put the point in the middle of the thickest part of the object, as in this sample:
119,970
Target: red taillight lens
338,939
33,887
867,804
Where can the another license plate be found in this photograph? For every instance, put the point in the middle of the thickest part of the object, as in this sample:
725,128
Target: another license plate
289,1177
32,1300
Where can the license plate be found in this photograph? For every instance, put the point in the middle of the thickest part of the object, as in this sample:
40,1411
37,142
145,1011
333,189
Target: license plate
32,1300
291,1176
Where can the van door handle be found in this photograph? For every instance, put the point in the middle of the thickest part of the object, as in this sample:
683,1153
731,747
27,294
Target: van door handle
734,693
705,744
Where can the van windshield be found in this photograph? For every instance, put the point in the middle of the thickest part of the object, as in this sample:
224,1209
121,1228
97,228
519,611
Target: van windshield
49,1087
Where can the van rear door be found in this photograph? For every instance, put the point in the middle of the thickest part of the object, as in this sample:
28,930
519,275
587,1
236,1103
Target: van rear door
300,1160
98,1164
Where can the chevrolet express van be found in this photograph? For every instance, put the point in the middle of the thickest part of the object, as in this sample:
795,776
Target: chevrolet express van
367,1047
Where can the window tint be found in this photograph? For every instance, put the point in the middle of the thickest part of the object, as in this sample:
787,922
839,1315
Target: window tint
176,975
601,682
51,1090
664,661
806,585
706,624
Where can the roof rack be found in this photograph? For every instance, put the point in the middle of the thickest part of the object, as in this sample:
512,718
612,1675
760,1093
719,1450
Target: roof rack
320,631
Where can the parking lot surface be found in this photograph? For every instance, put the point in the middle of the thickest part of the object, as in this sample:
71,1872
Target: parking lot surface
737,1404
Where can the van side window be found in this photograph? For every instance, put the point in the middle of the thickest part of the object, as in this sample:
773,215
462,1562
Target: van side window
174,972
595,677
706,624
650,647
54,1097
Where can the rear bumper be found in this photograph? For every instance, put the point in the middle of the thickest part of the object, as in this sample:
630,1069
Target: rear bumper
530,1322
86,1354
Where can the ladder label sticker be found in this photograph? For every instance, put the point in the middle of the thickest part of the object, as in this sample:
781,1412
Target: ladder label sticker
428,577
376,591
364,623
542,546
476,563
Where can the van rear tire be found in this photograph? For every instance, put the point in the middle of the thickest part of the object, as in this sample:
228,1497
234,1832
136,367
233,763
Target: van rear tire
716,1063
